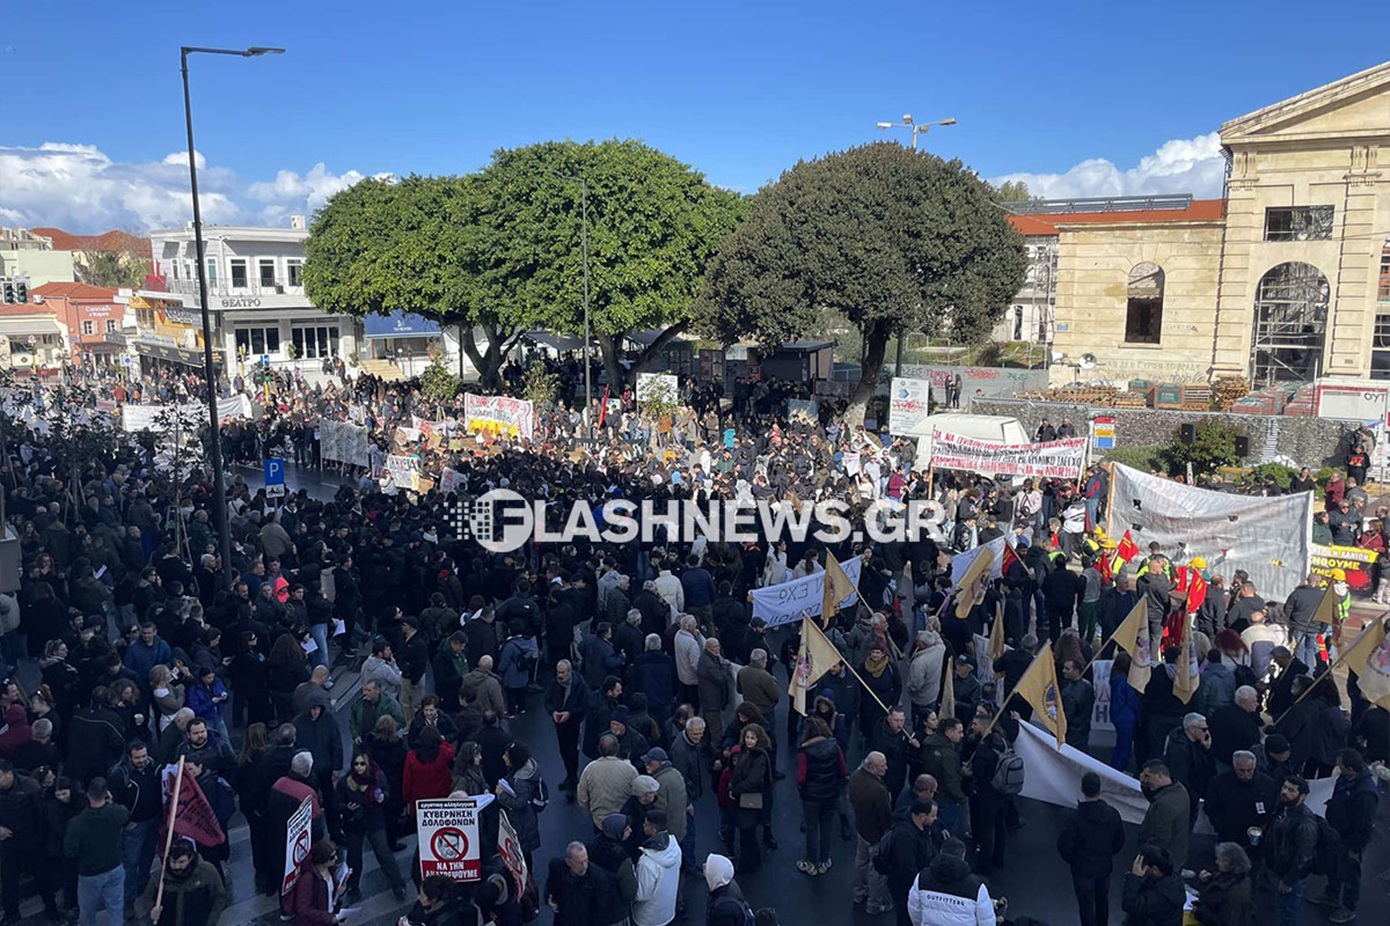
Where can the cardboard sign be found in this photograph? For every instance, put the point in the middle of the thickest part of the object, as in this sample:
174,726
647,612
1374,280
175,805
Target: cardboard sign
509,848
298,839
448,838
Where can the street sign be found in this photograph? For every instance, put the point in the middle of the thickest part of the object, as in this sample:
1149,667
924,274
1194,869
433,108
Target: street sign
448,838
298,834
274,478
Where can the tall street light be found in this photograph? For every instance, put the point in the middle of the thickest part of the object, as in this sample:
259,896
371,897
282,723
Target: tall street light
916,128
219,486
584,237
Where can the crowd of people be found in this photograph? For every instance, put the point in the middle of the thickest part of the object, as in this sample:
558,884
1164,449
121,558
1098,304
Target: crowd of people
666,697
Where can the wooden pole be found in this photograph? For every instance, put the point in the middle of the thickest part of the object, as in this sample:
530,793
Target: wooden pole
1317,680
169,835
1109,500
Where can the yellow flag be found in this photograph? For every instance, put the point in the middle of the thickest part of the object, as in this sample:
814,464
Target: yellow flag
948,692
1132,636
1187,678
996,636
1327,606
817,655
1039,688
971,586
838,587
1369,658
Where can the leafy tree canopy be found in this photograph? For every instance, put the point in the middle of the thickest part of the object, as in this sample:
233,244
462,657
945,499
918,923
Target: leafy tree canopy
893,240
1012,191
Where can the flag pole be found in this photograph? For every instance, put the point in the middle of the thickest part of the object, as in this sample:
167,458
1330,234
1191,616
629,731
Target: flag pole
169,835
1341,656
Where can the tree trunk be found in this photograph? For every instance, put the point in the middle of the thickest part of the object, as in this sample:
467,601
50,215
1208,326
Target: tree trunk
488,364
608,350
875,347
654,349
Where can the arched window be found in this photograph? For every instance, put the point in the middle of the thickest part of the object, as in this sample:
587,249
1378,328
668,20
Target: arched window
1290,320
1144,316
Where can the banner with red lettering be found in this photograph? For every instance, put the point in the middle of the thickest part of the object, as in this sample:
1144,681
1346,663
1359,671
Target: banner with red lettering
499,414
1059,459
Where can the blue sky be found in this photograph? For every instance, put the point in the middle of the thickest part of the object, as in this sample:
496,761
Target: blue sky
738,90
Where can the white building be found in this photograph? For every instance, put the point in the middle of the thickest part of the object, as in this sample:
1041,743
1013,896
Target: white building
256,295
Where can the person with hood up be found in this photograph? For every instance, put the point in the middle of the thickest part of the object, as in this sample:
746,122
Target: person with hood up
658,874
947,893
727,906
194,894
316,730
361,798
17,731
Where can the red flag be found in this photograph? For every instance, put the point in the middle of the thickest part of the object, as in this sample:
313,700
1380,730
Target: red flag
603,408
1196,591
1008,559
194,816
1107,575
1127,548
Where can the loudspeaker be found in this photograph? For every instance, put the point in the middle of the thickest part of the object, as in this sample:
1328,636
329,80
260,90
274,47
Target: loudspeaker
1242,446
1189,434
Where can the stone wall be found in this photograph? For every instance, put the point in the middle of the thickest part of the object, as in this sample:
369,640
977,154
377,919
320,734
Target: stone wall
1312,442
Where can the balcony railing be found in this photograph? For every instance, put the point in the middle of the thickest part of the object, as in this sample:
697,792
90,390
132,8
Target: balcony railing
221,287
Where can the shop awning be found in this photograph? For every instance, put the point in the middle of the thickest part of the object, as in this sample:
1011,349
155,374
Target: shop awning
189,358
399,325
23,326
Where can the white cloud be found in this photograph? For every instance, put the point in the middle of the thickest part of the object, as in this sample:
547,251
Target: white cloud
311,190
81,189
1182,165
181,159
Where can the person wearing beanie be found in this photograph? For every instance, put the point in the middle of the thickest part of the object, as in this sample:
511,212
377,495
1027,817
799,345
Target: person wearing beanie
727,906
632,745
609,850
193,892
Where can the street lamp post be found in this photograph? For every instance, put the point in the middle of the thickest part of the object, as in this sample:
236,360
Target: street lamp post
219,486
916,128
584,238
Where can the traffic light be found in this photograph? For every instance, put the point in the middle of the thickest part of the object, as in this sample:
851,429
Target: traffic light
21,292
8,289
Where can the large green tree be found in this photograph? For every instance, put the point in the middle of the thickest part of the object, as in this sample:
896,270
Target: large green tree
893,240
383,246
653,225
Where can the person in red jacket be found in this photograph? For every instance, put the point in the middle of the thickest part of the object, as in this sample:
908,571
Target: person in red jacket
427,769
313,900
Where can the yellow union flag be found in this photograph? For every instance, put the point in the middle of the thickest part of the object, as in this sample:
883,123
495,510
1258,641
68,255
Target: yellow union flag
838,587
1186,680
1132,636
1039,688
816,658
1369,658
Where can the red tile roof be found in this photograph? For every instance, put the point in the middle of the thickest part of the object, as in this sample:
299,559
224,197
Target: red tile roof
1201,210
20,310
74,291
114,240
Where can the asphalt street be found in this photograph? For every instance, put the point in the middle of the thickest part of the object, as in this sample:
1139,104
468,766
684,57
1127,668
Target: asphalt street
1035,879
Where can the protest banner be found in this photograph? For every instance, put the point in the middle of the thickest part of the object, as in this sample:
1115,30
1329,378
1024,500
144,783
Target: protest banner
782,604
499,415
909,404
450,480
1356,562
1059,459
343,442
298,837
448,838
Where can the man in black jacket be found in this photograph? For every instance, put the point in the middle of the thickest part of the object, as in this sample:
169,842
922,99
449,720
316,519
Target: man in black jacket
1235,727
911,850
1290,843
135,785
581,893
95,741
1088,843
413,659
1351,812
1239,799
1153,896
990,806
1188,756
21,821
566,699
1301,724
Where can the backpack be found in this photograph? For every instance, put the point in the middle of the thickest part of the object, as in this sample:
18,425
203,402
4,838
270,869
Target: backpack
1008,773
882,855
1328,849
745,912
540,797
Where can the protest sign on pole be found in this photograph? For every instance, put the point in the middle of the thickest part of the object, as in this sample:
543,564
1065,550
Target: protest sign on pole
448,838
298,838
509,849
909,404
